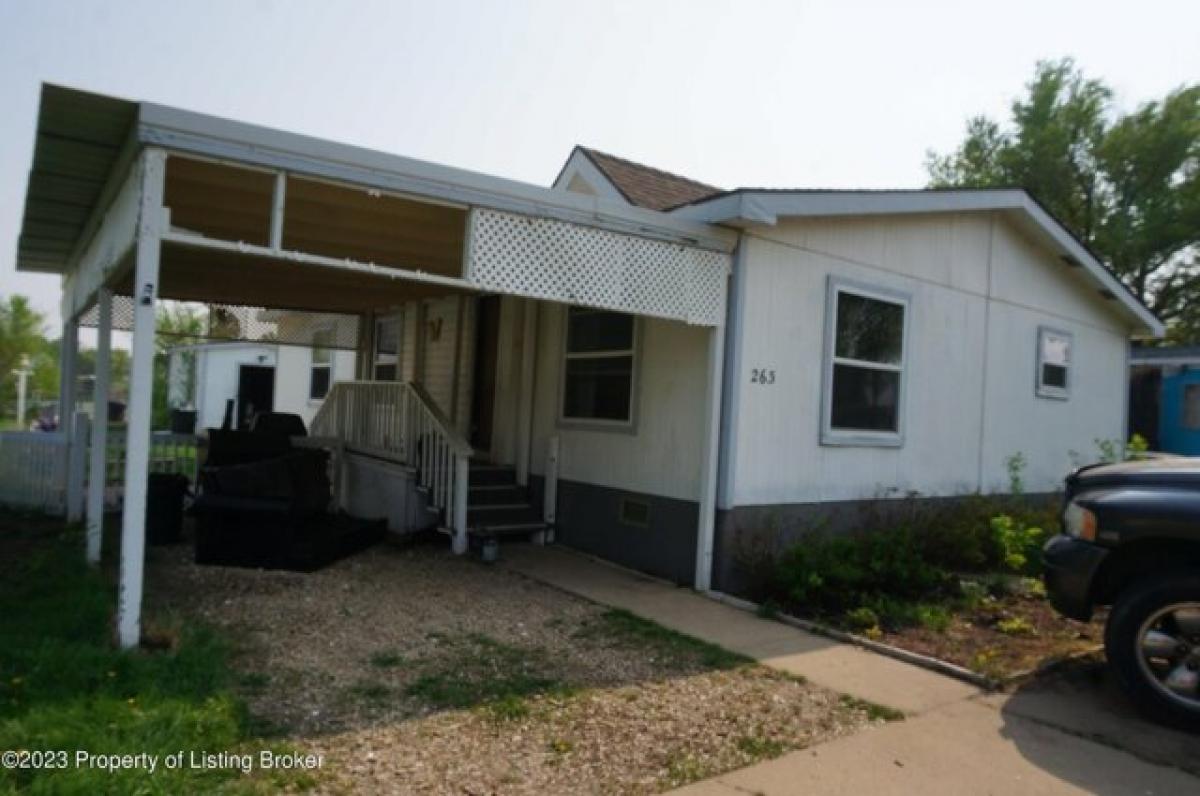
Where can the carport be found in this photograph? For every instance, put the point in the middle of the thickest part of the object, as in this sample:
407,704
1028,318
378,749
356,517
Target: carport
133,203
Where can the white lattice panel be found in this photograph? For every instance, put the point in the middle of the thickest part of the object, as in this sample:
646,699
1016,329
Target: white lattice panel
574,264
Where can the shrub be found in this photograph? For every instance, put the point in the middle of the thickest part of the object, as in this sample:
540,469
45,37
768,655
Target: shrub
831,574
1019,544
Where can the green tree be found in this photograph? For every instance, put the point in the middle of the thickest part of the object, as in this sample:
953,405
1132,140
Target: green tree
1127,185
21,340
177,324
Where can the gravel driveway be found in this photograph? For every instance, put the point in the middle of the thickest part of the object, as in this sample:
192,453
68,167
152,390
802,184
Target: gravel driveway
413,671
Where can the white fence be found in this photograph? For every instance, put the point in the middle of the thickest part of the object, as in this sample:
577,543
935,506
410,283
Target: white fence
34,464
33,471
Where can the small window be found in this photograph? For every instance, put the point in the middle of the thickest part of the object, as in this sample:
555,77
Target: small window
387,349
1053,363
321,371
1191,407
598,366
635,512
865,360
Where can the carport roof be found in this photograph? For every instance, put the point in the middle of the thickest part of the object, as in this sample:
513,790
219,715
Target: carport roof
83,140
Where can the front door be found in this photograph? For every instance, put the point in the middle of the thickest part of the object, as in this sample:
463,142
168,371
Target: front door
256,392
483,397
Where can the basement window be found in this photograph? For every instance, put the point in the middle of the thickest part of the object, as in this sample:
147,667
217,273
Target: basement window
865,360
598,367
1053,363
321,370
634,512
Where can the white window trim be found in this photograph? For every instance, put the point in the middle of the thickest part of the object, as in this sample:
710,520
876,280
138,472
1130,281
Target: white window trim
312,365
594,424
1045,390
859,437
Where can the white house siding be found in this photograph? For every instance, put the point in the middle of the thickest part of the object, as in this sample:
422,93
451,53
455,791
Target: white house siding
447,355
661,456
292,376
954,441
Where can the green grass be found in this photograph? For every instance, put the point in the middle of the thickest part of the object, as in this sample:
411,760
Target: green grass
874,711
477,670
622,627
386,659
756,747
63,685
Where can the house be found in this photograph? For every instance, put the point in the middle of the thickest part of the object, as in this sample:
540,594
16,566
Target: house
1164,397
644,364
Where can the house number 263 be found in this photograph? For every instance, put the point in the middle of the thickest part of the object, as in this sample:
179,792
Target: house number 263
762,376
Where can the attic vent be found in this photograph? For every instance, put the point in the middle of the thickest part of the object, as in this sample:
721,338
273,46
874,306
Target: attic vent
634,512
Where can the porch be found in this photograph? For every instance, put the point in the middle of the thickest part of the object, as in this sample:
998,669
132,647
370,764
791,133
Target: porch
286,237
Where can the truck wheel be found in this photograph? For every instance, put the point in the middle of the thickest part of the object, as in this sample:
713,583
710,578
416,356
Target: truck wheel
1153,646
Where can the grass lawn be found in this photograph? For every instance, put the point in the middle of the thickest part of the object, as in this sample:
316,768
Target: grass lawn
64,687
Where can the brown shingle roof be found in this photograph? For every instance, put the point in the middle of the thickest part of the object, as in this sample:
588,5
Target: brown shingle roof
645,186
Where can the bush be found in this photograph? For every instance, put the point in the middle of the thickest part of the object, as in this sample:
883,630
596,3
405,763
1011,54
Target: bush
831,574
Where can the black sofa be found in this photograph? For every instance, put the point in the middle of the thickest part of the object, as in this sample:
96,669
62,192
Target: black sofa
264,504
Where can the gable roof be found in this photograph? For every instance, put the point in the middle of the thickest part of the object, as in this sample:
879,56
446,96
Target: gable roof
642,185
765,206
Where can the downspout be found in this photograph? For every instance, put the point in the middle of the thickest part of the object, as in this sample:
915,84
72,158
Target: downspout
710,460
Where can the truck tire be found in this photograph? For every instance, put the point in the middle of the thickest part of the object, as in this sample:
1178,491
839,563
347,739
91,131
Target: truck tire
1153,645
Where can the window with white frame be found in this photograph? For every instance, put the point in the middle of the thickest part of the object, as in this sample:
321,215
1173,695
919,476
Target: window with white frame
1053,363
864,365
321,369
386,366
598,367
1191,407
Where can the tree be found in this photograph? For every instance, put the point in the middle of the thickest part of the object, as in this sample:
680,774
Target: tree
21,340
1127,185
176,324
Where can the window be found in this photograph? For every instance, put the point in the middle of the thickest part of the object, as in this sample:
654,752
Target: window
1053,363
864,365
598,367
321,371
387,349
1191,407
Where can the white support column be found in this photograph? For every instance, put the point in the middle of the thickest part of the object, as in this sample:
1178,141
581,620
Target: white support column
529,315
278,200
67,364
141,392
708,462
98,466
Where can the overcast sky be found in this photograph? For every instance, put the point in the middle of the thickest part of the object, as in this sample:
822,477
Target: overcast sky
799,94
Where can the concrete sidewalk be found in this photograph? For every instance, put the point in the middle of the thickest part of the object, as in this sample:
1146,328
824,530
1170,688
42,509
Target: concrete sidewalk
956,739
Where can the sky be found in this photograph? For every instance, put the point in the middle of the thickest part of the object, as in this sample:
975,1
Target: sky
750,93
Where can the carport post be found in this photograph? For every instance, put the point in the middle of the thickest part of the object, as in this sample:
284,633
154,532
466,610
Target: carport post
151,223
67,364
97,467
709,457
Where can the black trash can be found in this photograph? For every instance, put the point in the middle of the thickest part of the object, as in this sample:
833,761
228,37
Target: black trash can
164,507
183,421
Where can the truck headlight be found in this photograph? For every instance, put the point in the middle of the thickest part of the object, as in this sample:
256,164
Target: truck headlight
1079,522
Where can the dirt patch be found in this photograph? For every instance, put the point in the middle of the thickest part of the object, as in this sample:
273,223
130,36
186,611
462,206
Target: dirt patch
415,671
1008,636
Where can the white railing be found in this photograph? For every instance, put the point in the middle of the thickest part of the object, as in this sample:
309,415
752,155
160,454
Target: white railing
33,470
399,422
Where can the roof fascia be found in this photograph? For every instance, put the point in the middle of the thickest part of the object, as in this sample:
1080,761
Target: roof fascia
748,208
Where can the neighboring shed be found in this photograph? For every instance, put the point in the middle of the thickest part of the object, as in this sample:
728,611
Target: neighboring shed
1164,397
